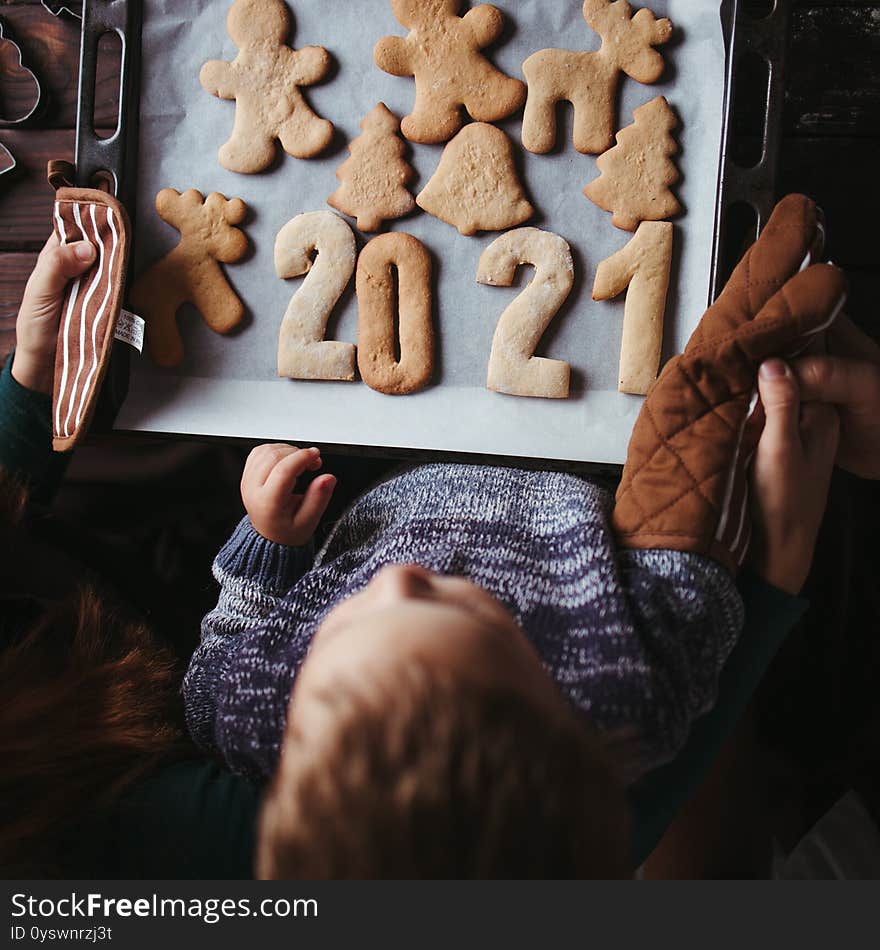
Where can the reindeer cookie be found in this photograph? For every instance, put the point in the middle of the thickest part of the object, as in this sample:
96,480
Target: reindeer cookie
442,52
264,79
190,273
589,81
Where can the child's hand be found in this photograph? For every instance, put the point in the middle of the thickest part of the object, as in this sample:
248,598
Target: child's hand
790,478
267,484
36,330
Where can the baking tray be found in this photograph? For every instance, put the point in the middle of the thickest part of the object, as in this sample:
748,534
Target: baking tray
115,158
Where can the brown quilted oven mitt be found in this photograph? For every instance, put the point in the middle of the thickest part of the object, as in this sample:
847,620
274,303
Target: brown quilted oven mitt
90,310
685,483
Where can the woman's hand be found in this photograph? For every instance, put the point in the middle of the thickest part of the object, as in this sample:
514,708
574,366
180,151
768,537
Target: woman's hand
790,478
267,485
36,329
849,378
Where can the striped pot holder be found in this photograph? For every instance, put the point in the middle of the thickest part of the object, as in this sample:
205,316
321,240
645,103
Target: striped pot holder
91,307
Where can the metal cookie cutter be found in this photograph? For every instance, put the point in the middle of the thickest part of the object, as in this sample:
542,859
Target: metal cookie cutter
37,99
8,163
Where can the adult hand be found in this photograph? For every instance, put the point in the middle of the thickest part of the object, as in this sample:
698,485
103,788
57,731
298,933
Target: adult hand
790,478
36,329
848,378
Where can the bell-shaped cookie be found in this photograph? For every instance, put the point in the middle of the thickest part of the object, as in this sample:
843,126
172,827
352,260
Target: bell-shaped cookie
476,186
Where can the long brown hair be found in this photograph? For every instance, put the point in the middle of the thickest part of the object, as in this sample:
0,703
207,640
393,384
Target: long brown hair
89,703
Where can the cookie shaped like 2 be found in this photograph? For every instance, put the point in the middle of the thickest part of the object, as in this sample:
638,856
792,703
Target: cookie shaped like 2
513,367
589,81
442,52
264,79
321,246
476,187
190,273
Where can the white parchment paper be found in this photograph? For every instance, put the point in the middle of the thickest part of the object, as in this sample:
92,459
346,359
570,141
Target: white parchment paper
227,386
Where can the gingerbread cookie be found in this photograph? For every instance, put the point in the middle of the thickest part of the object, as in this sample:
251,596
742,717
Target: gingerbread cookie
321,246
589,81
264,79
637,174
376,291
643,266
442,52
191,272
513,367
476,186
375,177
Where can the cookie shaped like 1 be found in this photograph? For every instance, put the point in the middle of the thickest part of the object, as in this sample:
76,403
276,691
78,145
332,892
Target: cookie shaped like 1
589,81
380,368
191,272
264,79
375,177
442,52
637,174
513,367
91,308
303,353
643,266
476,187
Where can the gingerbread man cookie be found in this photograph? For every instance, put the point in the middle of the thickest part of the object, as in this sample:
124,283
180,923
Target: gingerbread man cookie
264,79
442,52
191,273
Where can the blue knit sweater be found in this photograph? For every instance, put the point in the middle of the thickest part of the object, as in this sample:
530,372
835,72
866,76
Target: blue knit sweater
635,639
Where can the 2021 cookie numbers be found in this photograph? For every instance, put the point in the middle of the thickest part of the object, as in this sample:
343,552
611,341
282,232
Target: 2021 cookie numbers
394,291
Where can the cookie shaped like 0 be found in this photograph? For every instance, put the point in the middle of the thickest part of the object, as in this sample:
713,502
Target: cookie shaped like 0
378,363
303,353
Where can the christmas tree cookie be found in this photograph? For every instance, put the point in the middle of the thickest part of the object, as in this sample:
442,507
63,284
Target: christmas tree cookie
637,174
375,178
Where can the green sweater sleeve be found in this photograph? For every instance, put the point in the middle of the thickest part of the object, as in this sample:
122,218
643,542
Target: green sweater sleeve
193,820
26,438
769,616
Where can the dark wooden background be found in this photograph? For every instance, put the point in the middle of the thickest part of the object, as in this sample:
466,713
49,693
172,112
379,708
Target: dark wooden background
831,136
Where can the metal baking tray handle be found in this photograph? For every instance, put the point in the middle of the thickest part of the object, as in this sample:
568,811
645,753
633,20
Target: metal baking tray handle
112,159
766,38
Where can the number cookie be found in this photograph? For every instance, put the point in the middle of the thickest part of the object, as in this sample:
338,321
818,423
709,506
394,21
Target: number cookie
643,266
513,367
379,366
303,353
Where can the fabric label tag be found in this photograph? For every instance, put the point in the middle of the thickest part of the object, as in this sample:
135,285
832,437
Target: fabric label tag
130,330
